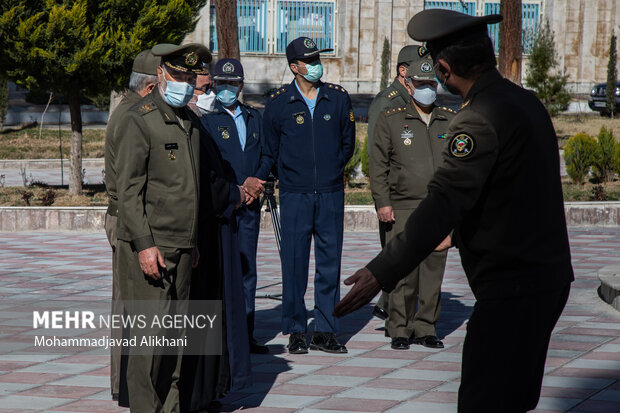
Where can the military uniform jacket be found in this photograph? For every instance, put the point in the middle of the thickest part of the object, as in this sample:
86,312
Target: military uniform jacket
394,96
310,152
254,159
499,188
404,154
158,175
111,145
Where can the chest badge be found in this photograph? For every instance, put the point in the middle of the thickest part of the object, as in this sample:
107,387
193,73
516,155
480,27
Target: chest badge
327,116
462,145
406,135
172,156
299,119
225,132
255,135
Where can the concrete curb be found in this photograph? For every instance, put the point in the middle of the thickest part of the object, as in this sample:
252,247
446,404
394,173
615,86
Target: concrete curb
48,163
356,218
610,285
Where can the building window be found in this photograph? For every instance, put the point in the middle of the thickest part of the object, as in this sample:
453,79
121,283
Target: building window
267,26
531,17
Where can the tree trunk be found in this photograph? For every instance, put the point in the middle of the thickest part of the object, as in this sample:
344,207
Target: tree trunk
115,99
510,50
227,29
75,171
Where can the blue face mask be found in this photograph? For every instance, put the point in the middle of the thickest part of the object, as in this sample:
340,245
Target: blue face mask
227,94
425,95
315,71
177,94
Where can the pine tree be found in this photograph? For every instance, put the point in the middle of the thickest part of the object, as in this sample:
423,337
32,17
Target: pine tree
385,64
81,48
612,75
543,76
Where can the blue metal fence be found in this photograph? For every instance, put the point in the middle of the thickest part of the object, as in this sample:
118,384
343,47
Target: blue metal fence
252,21
304,18
293,18
530,19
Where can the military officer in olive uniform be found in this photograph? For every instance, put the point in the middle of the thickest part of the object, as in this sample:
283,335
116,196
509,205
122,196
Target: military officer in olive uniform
499,188
394,96
142,80
157,166
404,153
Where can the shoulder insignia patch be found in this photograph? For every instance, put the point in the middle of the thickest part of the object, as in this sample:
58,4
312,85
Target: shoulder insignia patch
351,116
447,109
146,108
399,109
277,93
336,87
461,145
392,94
464,105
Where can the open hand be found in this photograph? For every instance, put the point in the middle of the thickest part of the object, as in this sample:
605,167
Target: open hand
150,260
365,288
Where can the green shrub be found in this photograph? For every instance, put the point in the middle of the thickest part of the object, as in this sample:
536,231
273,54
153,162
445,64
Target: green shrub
579,155
603,162
364,157
617,159
349,168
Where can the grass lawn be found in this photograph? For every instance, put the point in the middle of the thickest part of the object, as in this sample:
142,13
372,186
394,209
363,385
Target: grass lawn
25,143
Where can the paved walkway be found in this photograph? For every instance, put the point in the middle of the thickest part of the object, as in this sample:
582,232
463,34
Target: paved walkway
583,365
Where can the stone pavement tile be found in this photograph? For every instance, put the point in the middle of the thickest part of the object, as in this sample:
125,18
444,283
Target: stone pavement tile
271,378
13,388
393,354
435,365
403,384
101,395
90,406
451,356
375,362
31,402
67,392
257,409
425,407
436,396
575,382
452,386
35,378
325,380
284,367
556,403
587,363
313,390
14,365
414,374
84,380
355,405
579,338
608,395
354,371
364,392
596,406
53,367
603,355
279,400
587,372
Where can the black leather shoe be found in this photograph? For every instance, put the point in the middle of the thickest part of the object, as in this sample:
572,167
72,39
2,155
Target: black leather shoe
379,313
297,343
428,341
326,342
256,348
400,343
115,397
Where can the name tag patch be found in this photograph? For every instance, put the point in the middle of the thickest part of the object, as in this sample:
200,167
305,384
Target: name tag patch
171,146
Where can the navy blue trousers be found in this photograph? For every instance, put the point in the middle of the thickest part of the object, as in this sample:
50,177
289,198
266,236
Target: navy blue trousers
248,225
304,217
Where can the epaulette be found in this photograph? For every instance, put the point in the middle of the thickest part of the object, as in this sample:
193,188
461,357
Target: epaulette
447,109
336,87
277,93
399,109
464,104
392,94
146,108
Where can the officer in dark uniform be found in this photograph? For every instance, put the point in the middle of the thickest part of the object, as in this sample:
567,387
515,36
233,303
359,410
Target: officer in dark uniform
394,96
237,130
310,130
405,152
142,80
157,166
499,188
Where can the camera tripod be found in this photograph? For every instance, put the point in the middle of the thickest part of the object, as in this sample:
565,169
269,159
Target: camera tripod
272,207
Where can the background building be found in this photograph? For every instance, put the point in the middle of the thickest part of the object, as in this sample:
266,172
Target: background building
356,30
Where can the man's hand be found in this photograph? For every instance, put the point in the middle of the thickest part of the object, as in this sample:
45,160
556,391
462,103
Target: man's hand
149,260
195,257
253,186
445,244
386,214
242,197
365,288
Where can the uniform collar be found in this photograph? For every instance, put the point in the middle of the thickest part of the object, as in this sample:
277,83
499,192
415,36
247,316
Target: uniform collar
484,81
402,91
219,108
412,113
168,113
296,95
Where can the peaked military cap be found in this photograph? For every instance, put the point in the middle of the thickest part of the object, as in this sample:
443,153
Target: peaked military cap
188,58
146,63
303,48
440,28
228,69
420,64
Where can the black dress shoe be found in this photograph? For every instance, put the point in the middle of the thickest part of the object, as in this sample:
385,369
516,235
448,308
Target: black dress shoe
379,312
400,343
115,397
428,341
326,342
256,348
297,343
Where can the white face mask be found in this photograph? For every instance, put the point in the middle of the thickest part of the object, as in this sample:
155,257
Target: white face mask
205,102
425,95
